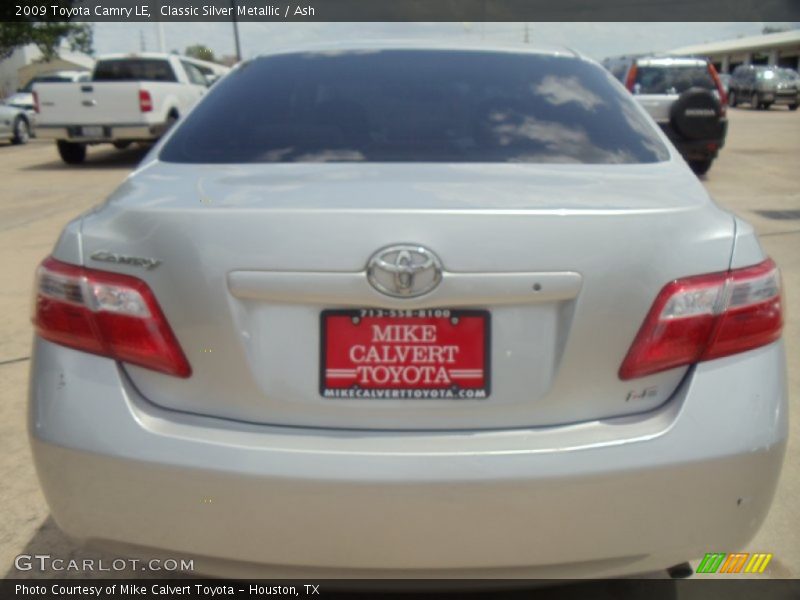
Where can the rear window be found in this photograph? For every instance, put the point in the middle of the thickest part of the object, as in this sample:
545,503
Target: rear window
416,106
138,69
672,79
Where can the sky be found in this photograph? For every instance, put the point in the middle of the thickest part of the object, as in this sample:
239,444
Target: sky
597,40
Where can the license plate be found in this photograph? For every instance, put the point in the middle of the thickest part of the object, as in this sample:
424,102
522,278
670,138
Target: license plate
405,354
93,132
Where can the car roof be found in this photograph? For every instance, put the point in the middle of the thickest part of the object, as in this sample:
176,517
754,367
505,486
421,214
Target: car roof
379,45
760,67
134,55
667,61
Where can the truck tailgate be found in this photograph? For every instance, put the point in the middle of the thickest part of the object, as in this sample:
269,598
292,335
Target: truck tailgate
90,103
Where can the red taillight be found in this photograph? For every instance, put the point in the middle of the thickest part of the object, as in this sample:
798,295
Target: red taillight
35,102
145,101
706,317
723,97
105,313
630,81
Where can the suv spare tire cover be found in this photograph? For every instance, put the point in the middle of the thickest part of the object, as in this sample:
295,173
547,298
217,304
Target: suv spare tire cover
697,115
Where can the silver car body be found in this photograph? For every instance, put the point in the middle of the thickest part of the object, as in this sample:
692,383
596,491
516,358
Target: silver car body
762,86
564,471
10,117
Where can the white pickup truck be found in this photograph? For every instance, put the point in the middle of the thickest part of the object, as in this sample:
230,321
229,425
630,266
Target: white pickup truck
130,98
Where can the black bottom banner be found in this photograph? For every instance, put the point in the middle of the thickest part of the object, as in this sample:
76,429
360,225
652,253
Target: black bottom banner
621,589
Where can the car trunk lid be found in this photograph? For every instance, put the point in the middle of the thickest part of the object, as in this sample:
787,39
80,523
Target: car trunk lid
565,260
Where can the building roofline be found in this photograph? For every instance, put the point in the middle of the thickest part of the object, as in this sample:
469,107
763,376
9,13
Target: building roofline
743,44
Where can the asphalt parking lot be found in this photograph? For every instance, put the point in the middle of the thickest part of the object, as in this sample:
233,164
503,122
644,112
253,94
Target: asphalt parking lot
758,170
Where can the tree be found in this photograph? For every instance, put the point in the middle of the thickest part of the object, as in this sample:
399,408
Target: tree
200,52
47,35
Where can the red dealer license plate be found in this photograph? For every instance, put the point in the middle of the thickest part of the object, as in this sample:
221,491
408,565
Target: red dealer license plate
405,354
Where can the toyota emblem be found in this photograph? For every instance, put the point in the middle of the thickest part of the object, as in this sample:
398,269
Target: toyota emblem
404,270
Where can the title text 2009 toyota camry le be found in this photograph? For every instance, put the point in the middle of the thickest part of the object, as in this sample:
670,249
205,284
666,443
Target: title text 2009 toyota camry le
411,311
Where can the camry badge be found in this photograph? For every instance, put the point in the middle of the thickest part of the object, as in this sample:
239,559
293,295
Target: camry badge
134,261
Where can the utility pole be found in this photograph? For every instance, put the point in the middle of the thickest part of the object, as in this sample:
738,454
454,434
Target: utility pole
236,32
160,30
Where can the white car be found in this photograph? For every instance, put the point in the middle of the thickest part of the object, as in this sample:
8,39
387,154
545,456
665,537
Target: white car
15,124
130,98
411,312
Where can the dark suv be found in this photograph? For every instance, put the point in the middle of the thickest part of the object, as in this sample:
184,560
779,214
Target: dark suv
685,97
761,87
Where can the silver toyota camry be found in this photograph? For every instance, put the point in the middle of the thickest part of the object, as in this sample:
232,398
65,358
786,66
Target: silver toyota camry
381,311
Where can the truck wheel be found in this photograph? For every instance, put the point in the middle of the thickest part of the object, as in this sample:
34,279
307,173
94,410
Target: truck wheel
701,167
122,144
793,106
22,131
754,103
71,153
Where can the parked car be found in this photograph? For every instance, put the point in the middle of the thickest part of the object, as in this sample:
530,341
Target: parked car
131,98
792,76
23,98
411,311
685,97
762,86
14,124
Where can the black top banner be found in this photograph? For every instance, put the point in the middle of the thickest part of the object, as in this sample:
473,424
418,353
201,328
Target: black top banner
400,10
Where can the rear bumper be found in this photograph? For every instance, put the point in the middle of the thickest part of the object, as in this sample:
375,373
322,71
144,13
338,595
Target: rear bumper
605,498
111,133
780,99
696,149
768,97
